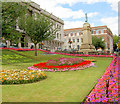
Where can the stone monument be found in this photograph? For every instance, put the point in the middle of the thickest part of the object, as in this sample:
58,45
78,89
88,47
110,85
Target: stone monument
87,46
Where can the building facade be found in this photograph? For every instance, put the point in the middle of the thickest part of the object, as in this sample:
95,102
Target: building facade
76,36
52,45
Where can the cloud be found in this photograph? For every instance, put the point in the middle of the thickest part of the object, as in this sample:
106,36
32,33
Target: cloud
112,23
69,13
54,7
114,4
92,14
74,24
46,4
61,12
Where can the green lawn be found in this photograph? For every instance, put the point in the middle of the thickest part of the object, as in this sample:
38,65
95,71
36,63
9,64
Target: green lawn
72,86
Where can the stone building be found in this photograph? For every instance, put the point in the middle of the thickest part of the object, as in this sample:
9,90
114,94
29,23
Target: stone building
52,45
76,36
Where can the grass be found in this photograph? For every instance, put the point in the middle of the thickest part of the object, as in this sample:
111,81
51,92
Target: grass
72,86
23,59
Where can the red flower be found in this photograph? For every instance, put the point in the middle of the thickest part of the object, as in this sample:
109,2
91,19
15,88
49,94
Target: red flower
43,65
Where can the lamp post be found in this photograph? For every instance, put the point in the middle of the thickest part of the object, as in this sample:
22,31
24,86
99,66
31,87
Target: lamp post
118,47
119,44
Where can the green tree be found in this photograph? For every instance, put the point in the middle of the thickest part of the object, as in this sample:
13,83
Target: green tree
38,28
98,43
115,41
11,11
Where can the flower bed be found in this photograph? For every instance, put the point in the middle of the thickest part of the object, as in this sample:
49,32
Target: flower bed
21,76
64,61
62,64
23,49
106,90
63,69
84,55
44,66
13,58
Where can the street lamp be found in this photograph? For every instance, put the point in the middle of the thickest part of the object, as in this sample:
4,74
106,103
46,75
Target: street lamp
118,45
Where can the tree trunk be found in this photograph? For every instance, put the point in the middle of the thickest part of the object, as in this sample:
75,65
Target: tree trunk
35,49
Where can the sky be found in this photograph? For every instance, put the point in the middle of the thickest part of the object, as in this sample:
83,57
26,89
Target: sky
72,12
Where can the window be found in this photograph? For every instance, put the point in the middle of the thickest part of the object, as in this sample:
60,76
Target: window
57,26
92,31
81,40
78,47
65,34
97,31
101,31
60,36
60,27
54,24
81,33
77,33
73,40
73,46
77,40
69,34
57,35
73,34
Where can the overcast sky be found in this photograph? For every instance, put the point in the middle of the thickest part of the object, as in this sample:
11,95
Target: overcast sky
100,12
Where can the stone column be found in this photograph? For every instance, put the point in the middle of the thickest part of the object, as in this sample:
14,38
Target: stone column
87,46
87,37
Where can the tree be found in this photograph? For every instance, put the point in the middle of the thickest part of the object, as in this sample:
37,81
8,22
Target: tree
97,42
11,11
115,41
38,28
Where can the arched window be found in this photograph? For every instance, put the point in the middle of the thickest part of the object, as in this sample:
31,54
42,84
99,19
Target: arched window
57,35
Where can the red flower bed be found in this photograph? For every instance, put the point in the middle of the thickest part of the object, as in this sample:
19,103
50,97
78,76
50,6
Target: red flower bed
43,65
